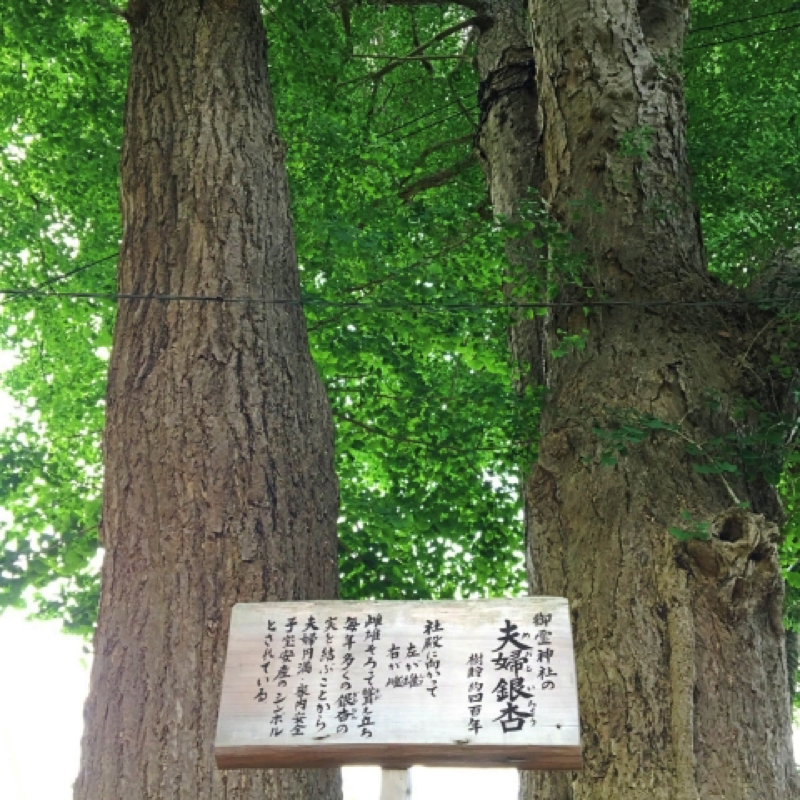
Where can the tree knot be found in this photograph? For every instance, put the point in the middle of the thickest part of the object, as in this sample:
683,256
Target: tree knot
739,559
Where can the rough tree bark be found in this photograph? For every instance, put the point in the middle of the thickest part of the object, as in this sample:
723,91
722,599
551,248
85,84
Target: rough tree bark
680,648
219,476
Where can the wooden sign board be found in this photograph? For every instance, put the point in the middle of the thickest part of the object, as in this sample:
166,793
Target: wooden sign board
444,683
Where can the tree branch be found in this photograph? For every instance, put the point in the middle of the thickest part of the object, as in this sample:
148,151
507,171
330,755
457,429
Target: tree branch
415,38
474,5
401,59
407,439
417,53
765,352
436,179
428,151
344,10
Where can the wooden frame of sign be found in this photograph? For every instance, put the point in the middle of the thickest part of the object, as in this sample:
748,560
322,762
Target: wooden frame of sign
437,683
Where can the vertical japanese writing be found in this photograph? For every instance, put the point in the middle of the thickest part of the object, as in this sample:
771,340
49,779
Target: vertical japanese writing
543,637
433,631
512,691
266,662
300,709
369,693
351,673
308,638
347,701
475,691
285,659
326,660
405,666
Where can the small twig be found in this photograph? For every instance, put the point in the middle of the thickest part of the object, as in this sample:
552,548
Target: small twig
766,327
713,460
435,123
366,288
384,57
328,321
417,53
474,5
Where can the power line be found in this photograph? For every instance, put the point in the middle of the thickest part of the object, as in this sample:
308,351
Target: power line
431,125
400,305
37,291
80,268
75,271
387,57
744,36
425,115
791,9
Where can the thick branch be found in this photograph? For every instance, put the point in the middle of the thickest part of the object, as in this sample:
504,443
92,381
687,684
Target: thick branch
436,179
431,149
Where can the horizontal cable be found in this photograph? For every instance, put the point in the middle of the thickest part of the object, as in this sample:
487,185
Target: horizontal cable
792,8
387,57
744,36
433,124
425,115
70,273
398,305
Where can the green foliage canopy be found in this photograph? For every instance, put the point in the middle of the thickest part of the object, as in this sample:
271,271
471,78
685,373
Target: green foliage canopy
401,264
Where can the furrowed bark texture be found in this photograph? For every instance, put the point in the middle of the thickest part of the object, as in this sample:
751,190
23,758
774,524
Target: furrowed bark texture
220,483
508,146
680,646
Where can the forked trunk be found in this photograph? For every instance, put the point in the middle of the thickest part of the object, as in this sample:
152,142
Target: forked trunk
680,649
219,476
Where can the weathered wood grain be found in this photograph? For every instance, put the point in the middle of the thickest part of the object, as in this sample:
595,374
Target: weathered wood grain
476,682
395,784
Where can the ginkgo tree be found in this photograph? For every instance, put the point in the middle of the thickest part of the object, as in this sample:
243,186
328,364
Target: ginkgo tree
421,457
645,412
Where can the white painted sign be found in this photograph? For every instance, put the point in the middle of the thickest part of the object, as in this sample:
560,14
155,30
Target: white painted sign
475,682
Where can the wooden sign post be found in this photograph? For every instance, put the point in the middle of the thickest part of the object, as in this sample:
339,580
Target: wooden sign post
444,683
395,784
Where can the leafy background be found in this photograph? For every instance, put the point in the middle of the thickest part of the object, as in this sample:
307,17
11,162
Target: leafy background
401,269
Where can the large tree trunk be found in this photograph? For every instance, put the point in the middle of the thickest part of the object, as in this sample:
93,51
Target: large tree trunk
680,649
219,476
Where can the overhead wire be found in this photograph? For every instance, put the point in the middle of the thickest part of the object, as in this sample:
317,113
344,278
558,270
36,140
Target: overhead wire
791,9
438,109
310,301
433,124
427,114
12,293
744,36
70,273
